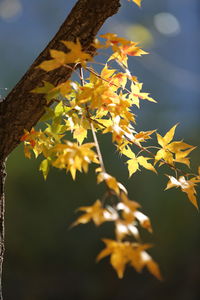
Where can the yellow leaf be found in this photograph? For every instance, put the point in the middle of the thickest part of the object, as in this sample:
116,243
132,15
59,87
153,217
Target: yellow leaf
80,134
179,146
180,156
121,48
132,50
117,251
122,229
132,205
27,152
143,161
136,95
113,184
104,122
107,73
169,135
76,54
107,251
138,256
138,2
143,135
183,154
122,253
49,89
110,181
98,170
59,56
122,187
165,155
73,157
173,182
191,193
143,220
160,140
118,260
93,213
185,161
153,268
72,170
128,152
133,166
118,80
128,209
187,186
44,167
120,58
65,88
46,88
49,65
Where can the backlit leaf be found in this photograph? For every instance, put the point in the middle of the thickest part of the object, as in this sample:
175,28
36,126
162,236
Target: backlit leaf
164,141
80,134
143,220
44,167
133,166
138,2
76,54
136,95
93,213
50,65
60,58
187,186
123,253
143,161
110,181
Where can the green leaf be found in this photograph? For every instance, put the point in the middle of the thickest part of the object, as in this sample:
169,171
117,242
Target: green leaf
44,167
46,88
48,115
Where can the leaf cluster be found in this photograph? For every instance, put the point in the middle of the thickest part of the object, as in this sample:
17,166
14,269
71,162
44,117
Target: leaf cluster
104,103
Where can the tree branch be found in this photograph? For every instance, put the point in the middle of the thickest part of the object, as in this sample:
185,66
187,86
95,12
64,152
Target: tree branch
22,109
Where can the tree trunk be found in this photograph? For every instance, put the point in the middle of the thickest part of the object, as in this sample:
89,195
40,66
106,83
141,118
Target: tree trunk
22,109
2,210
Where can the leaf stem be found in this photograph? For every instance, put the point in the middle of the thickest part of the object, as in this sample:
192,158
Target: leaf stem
98,148
92,128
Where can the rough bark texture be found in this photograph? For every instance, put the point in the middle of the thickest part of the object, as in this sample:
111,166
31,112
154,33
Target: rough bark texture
2,209
22,109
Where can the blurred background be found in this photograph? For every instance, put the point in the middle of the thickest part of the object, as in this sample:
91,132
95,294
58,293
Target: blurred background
45,260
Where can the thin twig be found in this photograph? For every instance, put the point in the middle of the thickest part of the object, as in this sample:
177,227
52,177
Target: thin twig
98,148
92,128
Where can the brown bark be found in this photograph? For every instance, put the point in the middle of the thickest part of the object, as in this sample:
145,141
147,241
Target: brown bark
22,109
2,210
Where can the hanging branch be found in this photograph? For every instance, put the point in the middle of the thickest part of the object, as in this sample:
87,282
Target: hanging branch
22,109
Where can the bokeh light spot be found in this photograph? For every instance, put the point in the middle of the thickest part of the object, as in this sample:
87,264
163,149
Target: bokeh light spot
167,23
141,34
10,10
